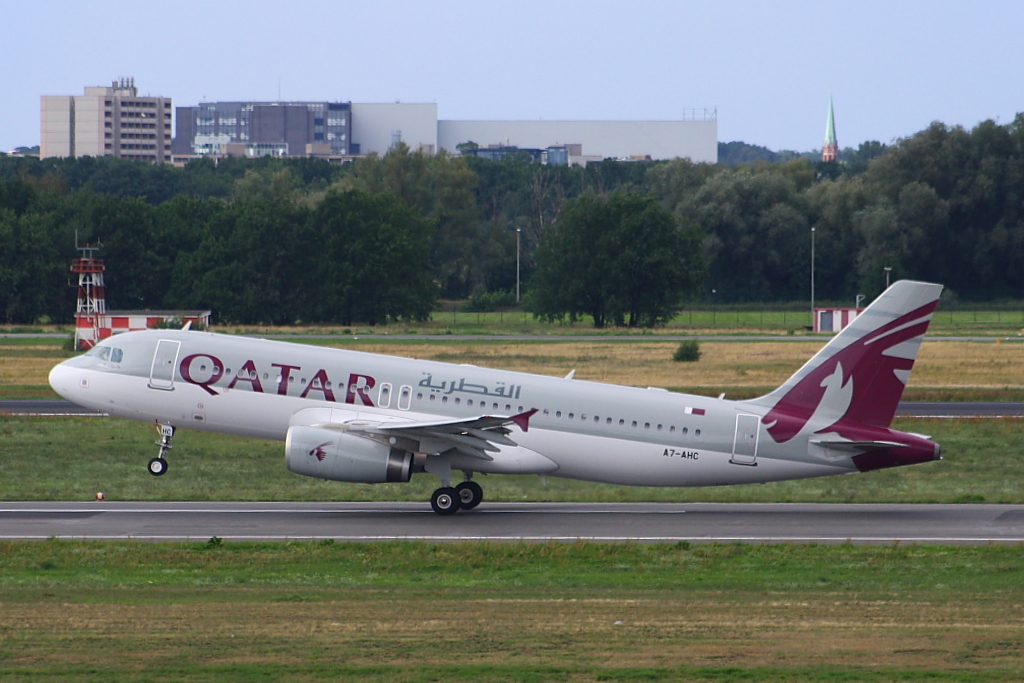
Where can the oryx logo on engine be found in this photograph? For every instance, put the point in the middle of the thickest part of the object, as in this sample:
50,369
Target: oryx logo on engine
319,453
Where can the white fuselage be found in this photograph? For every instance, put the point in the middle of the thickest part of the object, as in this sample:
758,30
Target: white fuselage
582,430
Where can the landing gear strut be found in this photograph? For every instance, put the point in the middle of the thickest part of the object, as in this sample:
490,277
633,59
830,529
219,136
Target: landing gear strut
158,465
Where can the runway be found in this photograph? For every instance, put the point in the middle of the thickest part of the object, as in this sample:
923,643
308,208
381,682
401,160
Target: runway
951,409
531,522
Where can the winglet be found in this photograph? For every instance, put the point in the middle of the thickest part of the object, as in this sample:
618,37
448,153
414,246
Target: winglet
523,419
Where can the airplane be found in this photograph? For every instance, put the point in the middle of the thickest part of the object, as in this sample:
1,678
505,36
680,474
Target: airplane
359,417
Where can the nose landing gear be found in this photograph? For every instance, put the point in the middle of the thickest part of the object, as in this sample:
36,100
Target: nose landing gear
158,465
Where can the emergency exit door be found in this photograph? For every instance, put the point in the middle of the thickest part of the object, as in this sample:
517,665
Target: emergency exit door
744,445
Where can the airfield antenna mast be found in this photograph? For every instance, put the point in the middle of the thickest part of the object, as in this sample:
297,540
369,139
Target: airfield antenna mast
92,303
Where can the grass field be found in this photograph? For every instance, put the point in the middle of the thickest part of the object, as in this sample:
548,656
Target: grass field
73,458
508,612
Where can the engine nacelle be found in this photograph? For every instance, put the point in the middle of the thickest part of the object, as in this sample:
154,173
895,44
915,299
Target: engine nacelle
332,454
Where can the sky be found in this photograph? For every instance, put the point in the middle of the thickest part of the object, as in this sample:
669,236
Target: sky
768,68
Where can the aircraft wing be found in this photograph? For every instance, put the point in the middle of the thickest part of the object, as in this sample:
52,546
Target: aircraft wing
474,436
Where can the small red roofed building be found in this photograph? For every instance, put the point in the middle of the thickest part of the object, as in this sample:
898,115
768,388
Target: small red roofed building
830,150
834,318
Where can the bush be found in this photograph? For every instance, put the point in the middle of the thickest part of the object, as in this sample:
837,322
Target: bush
688,351
481,301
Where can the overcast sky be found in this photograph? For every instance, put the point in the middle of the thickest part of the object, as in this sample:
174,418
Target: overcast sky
892,66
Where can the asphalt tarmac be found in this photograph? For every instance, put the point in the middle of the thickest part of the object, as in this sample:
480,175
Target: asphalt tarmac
531,522
906,408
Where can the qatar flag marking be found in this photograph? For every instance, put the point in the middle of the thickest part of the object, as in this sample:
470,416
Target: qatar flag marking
694,411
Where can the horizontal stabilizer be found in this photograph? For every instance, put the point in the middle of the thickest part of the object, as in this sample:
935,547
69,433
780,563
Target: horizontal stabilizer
856,446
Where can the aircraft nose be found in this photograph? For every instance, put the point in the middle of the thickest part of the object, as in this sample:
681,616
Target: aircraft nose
64,380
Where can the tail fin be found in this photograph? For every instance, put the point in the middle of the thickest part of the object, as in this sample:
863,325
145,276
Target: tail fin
860,375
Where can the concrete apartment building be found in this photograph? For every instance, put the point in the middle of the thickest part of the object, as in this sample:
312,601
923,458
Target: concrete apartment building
107,121
264,129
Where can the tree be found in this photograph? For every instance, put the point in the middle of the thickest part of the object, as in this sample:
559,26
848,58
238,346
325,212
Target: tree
372,261
622,260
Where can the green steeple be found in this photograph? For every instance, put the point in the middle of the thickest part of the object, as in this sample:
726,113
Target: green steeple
830,127
830,150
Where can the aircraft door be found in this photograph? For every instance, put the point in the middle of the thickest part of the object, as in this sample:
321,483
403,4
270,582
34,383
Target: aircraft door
744,446
161,376
405,397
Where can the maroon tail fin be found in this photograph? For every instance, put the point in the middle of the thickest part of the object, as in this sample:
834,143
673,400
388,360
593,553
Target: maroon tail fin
860,375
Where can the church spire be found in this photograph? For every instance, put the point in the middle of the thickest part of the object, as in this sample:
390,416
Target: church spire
830,150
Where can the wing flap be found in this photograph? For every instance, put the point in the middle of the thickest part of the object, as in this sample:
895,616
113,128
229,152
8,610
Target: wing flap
475,436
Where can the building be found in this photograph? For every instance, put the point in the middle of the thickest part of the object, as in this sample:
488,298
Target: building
343,130
265,129
696,140
834,318
107,121
830,150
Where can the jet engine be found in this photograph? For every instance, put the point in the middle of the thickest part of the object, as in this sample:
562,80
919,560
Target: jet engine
332,454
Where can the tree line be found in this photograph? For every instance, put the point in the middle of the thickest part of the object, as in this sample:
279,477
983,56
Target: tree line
285,240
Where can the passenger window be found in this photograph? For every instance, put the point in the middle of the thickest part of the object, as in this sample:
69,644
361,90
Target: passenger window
685,431
622,423
696,432
469,401
384,399
597,419
608,421
570,416
672,429
458,400
558,413
633,423
647,425
659,428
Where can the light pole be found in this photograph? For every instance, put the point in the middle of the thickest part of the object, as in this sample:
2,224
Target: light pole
860,297
887,269
812,278
518,231
713,308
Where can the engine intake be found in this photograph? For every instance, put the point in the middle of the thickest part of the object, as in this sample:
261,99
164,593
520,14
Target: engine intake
332,454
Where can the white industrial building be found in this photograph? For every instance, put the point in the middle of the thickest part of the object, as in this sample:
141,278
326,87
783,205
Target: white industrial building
696,140
378,127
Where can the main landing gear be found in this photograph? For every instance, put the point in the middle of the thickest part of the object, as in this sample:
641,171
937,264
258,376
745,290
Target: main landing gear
447,500
158,465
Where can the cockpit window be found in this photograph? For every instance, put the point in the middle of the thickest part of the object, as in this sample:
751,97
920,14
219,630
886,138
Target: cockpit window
107,353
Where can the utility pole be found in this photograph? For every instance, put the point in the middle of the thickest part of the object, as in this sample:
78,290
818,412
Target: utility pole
812,278
518,232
